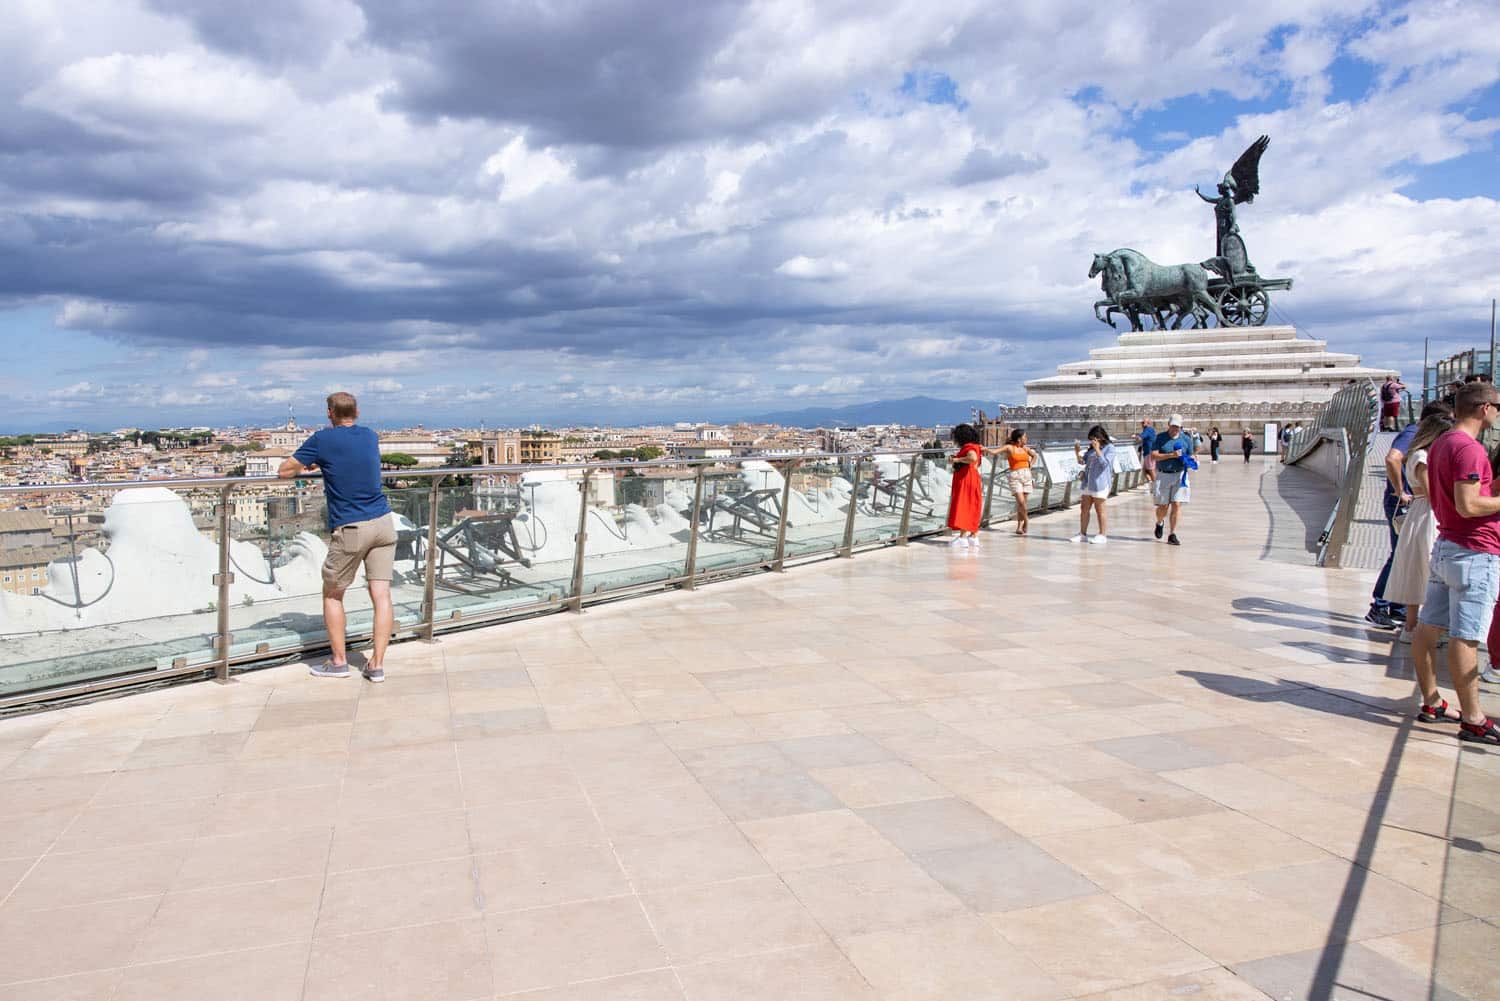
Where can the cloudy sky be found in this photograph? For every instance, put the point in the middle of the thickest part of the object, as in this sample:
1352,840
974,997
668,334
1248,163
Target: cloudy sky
564,210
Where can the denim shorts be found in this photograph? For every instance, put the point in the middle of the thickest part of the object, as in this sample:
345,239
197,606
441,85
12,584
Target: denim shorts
1461,590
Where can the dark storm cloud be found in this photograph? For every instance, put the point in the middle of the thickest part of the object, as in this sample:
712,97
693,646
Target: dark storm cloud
226,294
622,74
987,165
276,32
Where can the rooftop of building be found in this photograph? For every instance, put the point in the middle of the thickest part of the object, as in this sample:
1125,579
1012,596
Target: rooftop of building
1039,771
25,521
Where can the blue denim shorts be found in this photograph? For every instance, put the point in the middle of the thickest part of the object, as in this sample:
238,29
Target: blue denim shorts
1461,590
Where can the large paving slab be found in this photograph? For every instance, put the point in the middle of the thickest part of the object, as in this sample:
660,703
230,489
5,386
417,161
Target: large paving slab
1041,770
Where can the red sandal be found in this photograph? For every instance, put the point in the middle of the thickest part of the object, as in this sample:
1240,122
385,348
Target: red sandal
1480,733
1437,713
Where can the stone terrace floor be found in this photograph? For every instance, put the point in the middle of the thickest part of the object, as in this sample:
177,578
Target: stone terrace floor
1043,771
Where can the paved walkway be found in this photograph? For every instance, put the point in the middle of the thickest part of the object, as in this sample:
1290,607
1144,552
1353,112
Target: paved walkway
1369,537
1043,771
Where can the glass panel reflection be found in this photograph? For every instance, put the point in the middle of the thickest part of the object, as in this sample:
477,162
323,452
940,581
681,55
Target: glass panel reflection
118,582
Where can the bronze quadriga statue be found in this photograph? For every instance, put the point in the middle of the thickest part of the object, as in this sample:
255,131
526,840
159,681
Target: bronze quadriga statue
1225,287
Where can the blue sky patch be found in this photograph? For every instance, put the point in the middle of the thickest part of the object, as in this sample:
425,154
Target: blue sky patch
933,87
1351,79
1184,119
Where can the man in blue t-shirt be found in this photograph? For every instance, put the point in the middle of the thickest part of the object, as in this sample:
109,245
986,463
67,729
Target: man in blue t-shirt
1148,445
362,527
1170,491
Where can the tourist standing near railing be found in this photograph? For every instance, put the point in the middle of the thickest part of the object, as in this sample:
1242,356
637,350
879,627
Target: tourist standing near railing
1215,439
1098,464
361,527
1407,584
1247,444
1019,456
1147,438
966,503
1390,402
1465,572
1383,613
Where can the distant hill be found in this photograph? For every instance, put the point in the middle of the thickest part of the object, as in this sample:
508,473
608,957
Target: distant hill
918,410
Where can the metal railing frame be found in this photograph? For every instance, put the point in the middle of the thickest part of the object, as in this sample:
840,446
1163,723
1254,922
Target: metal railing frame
430,623
1351,419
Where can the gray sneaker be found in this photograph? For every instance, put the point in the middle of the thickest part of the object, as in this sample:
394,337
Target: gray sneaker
328,669
373,674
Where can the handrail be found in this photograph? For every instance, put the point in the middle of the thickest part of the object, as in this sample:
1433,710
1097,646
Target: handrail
419,473
224,653
1353,412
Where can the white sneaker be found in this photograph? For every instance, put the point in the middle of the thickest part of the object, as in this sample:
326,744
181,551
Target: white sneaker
1404,635
959,543
974,546
1099,540
1080,537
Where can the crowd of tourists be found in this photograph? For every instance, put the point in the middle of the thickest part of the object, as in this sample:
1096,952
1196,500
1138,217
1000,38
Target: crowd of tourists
1167,457
1443,571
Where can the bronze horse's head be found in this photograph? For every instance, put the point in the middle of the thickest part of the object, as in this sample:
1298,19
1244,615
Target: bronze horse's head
1100,263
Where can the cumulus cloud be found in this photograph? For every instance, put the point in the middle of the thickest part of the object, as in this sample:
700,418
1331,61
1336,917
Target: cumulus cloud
803,266
432,201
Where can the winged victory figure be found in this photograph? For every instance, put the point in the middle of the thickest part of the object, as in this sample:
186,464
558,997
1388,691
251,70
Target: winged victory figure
1240,185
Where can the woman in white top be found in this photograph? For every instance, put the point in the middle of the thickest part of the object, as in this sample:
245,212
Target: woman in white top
1408,580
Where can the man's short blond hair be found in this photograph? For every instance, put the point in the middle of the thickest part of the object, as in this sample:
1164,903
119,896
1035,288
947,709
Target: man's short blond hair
343,406
1472,398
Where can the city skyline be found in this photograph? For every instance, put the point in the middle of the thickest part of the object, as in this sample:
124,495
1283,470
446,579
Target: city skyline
656,213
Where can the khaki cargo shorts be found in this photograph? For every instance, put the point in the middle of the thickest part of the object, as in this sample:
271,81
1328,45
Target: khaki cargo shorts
372,543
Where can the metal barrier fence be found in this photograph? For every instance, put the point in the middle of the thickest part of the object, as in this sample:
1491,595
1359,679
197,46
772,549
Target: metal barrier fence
1351,418
180,579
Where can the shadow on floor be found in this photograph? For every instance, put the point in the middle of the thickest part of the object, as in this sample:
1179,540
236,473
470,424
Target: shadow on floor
1325,983
1334,701
1297,503
1271,606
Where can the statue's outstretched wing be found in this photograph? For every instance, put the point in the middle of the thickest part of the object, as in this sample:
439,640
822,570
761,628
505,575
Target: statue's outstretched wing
1246,171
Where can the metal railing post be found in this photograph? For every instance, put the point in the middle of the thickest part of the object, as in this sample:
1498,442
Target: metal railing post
1046,494
786,506
429,575
911,482
576,602
989,491
223,637
1067,497
847,549
690,565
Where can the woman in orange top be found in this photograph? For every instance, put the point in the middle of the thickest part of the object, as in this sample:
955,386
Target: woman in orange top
966,505
1020,456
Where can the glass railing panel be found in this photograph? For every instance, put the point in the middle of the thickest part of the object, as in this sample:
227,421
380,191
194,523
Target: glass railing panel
932,489
822,490
124,584
740,515
878,497
504,541
639,523
280,539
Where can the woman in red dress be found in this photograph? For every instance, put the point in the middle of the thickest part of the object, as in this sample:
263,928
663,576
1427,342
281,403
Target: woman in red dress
966,505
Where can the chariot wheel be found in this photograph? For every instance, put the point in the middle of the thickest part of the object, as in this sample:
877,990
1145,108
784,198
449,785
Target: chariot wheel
1244,305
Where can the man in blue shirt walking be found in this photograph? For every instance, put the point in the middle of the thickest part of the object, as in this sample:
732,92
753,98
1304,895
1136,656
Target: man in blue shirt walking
361,525
1172,452
1148,446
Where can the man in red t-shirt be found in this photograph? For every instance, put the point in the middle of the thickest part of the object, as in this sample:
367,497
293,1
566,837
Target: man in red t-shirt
1390,402
1465,571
